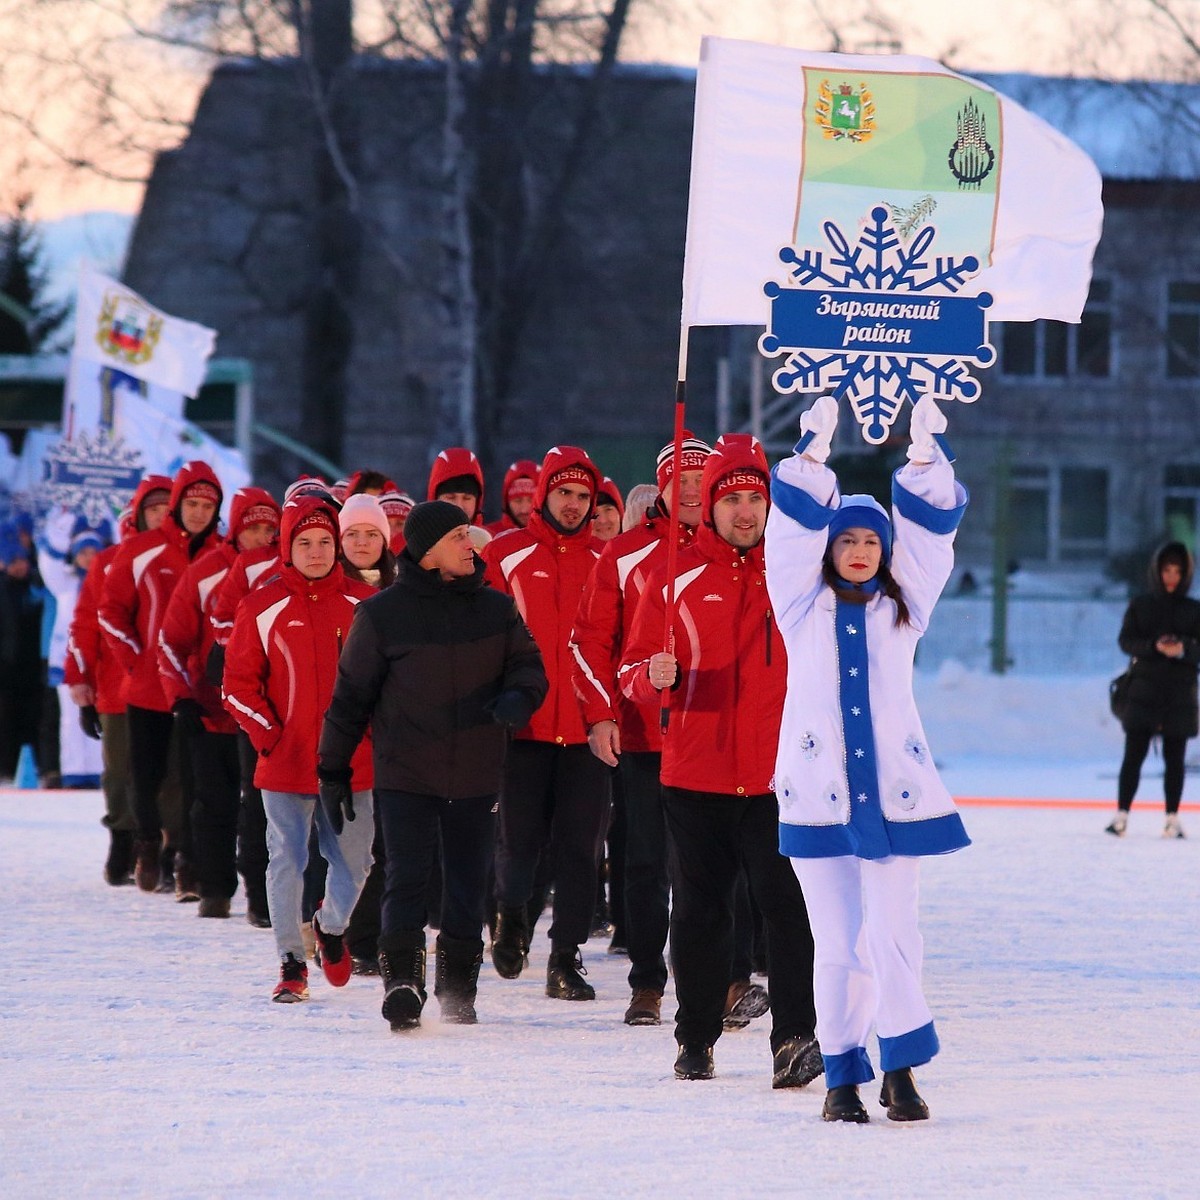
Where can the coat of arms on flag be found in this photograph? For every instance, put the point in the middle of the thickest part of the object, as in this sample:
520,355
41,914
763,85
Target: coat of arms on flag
918,204
128,328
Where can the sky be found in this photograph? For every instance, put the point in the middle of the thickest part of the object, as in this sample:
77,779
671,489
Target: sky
141,1055
968,34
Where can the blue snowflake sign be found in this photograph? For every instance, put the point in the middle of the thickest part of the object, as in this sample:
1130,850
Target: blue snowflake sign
879,322
94,474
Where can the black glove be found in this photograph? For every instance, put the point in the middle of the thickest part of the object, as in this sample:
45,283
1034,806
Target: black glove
214,666
189,716
333,789
89,721
512,707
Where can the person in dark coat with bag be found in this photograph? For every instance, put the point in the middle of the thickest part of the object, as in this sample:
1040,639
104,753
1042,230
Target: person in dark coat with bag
1161,634
441,667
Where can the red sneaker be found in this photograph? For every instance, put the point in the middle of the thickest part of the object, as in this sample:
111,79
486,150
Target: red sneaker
332,954
293,982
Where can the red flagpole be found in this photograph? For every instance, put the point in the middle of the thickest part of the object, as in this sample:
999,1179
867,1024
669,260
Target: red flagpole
673,524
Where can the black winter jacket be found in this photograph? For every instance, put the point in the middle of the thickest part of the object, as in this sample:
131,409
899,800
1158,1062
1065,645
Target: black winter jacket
422,662
1162,692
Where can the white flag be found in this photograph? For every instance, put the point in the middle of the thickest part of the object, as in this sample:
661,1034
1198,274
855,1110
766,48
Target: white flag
790,145
116,327
118,429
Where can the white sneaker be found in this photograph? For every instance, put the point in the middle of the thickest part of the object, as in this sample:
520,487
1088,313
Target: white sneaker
1173,829
1117,826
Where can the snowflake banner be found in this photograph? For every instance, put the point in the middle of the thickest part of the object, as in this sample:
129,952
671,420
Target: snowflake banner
877,322
907,195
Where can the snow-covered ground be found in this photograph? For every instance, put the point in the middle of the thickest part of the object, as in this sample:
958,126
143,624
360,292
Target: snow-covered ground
140,1054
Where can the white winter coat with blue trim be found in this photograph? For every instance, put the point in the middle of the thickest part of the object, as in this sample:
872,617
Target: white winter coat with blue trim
854,774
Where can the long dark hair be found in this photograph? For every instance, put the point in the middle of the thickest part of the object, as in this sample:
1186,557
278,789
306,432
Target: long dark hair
887,585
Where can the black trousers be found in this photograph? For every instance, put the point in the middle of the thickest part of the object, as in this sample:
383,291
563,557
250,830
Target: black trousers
615,842
362,934
557,795
647,887
252,828
154,770
216,790
1137,743
411,824
713,836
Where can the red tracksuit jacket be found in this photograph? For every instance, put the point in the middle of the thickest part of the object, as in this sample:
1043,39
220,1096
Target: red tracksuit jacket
726,711
604,623
280,667
89,659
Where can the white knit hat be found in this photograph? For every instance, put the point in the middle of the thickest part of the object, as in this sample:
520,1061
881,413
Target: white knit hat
363,509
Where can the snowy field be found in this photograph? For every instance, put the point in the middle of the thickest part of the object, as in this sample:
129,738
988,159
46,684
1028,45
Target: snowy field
140,1054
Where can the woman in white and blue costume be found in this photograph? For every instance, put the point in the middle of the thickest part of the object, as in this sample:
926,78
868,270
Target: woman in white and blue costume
860,801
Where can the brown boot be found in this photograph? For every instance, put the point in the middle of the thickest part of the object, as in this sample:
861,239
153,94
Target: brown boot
645,1008
743,1002
146,867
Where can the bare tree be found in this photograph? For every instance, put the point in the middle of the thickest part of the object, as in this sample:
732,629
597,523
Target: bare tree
494,238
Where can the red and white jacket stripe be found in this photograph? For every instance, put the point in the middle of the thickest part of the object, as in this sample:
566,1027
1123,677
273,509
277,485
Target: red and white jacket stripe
280,667
545,572
604,623
137,590
89,659
248,571
186,637
725,713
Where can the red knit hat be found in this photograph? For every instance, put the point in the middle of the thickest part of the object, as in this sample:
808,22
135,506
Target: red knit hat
251,506
740,480
306,512
738,463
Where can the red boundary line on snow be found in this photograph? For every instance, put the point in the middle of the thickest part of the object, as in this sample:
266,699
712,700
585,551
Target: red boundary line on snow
965,801
1015,802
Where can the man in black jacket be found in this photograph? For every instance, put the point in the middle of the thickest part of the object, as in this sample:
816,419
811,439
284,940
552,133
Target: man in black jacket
441,667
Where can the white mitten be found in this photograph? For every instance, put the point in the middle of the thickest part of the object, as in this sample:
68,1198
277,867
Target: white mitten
820,421
56,533
926,421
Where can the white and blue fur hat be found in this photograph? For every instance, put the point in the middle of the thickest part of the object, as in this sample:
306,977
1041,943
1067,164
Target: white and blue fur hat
863,512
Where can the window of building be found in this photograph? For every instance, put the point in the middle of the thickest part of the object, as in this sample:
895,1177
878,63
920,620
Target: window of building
1082,513
1181,501
1058,514
1029,514
1183,330
1054,350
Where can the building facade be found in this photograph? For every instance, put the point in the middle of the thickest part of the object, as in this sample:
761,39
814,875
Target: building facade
1085,435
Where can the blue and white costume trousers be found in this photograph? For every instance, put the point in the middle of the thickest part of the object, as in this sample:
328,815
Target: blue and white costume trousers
867,963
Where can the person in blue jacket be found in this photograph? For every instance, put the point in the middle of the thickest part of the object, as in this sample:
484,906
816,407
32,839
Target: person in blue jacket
860,801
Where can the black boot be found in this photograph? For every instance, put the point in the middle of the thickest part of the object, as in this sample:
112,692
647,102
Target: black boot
694,1062
166,871
842,1104
118,867
456,978
510,946
797,1062
900,1097
402,965
564,978
258,913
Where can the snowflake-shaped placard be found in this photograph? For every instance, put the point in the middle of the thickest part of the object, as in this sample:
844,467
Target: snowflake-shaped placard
93,473
877,322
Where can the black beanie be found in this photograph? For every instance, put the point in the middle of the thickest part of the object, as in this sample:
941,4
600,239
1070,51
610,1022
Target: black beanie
460,483
428,523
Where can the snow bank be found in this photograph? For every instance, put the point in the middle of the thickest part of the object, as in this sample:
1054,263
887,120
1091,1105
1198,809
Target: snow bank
1051,718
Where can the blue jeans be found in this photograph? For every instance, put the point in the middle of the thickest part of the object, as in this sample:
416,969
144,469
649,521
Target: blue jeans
289,818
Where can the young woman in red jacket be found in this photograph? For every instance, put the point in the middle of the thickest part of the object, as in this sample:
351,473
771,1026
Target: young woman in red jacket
280,666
